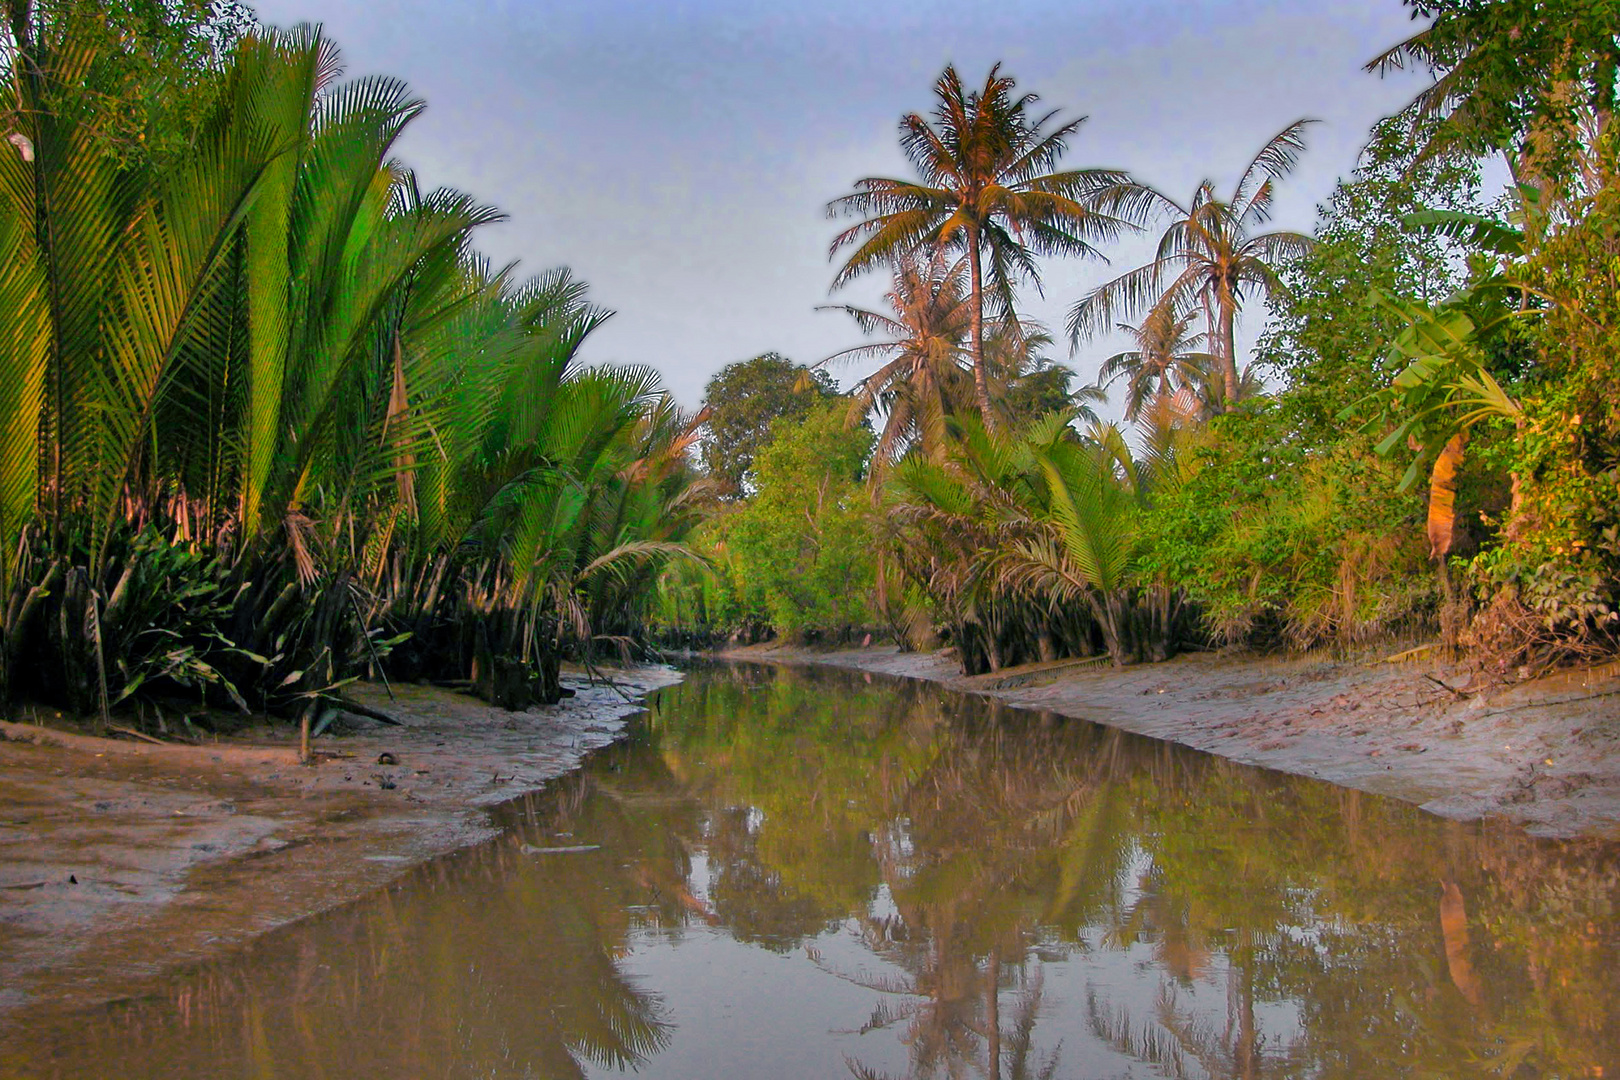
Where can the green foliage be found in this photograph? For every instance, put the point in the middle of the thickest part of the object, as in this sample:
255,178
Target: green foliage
158,65
1551,590
1513,75
272,377
1327,334
1279,542
744,401
1025,543
798,554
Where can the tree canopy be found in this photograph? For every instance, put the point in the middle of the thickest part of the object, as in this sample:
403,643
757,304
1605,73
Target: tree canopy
744,400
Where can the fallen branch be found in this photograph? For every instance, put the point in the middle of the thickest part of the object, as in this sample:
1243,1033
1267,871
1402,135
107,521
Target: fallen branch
592,671
141,735
1550,704
1410,654
1461,695
368,712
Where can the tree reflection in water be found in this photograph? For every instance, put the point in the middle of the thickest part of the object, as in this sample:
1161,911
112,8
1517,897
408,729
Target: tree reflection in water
1019,896
1290,928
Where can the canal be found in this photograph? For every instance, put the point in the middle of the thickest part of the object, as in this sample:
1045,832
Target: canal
790,873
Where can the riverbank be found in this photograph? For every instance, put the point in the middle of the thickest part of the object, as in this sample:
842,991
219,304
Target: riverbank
120,859
1543,754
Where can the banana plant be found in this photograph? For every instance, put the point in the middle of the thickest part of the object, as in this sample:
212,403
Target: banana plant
1442,390
1443,387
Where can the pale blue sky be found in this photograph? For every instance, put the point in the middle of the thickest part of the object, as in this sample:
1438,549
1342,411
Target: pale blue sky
679,156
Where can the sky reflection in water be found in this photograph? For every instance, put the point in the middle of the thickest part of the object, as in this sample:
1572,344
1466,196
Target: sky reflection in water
800,874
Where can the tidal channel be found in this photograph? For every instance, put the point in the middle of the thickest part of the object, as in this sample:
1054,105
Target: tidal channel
790,873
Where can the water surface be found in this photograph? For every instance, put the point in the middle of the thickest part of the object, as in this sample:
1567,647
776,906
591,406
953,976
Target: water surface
791,874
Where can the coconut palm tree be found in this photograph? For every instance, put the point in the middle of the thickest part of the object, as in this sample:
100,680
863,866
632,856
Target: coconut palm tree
1165,366
985,189
1209,257
924,376
1025,382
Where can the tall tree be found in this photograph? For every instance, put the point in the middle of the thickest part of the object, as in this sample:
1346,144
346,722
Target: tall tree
1027,383
1208,256
1166,366
923,377
986,189
744,399
1534,79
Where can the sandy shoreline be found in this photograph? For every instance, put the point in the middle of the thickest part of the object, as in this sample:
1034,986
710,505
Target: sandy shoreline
1544,754
120,859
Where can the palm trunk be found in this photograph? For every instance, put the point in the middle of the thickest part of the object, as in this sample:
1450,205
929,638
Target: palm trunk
1229,347
981,380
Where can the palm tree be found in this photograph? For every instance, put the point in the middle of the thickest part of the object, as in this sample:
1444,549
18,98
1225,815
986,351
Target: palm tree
1080,545
1166,366
923,378
265,399
1208,256
985,190
1026,382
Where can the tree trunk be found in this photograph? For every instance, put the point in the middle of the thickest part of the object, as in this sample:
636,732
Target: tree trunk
1229,348
1110,617
981,379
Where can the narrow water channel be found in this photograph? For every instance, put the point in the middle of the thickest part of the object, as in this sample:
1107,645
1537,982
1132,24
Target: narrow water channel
790,874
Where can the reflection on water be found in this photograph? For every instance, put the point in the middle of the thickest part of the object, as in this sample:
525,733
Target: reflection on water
802,874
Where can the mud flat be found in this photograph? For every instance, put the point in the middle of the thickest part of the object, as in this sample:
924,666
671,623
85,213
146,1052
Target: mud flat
121,859
1543,754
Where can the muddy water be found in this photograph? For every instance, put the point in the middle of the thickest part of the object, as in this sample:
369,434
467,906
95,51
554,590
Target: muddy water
803,874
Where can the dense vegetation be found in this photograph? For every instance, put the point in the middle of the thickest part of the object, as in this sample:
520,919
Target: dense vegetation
1423,441
267,421
270,423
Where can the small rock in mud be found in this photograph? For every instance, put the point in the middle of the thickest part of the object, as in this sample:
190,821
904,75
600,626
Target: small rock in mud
385,758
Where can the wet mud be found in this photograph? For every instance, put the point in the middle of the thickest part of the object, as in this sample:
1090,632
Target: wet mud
121,859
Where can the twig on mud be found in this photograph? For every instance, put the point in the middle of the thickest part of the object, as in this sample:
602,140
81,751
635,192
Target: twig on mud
141,735
1549,704
591,671
1462,695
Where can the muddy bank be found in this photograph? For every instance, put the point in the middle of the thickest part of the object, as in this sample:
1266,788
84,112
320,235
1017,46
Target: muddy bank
1543,754
119,859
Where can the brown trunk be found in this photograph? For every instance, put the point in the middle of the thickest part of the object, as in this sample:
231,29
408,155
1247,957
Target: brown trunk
1246,1047
981,379
1046,646
1229,348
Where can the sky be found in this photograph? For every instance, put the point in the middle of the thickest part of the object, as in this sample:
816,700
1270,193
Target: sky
679,155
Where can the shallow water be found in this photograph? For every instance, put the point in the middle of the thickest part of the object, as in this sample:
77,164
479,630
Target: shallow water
806,874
